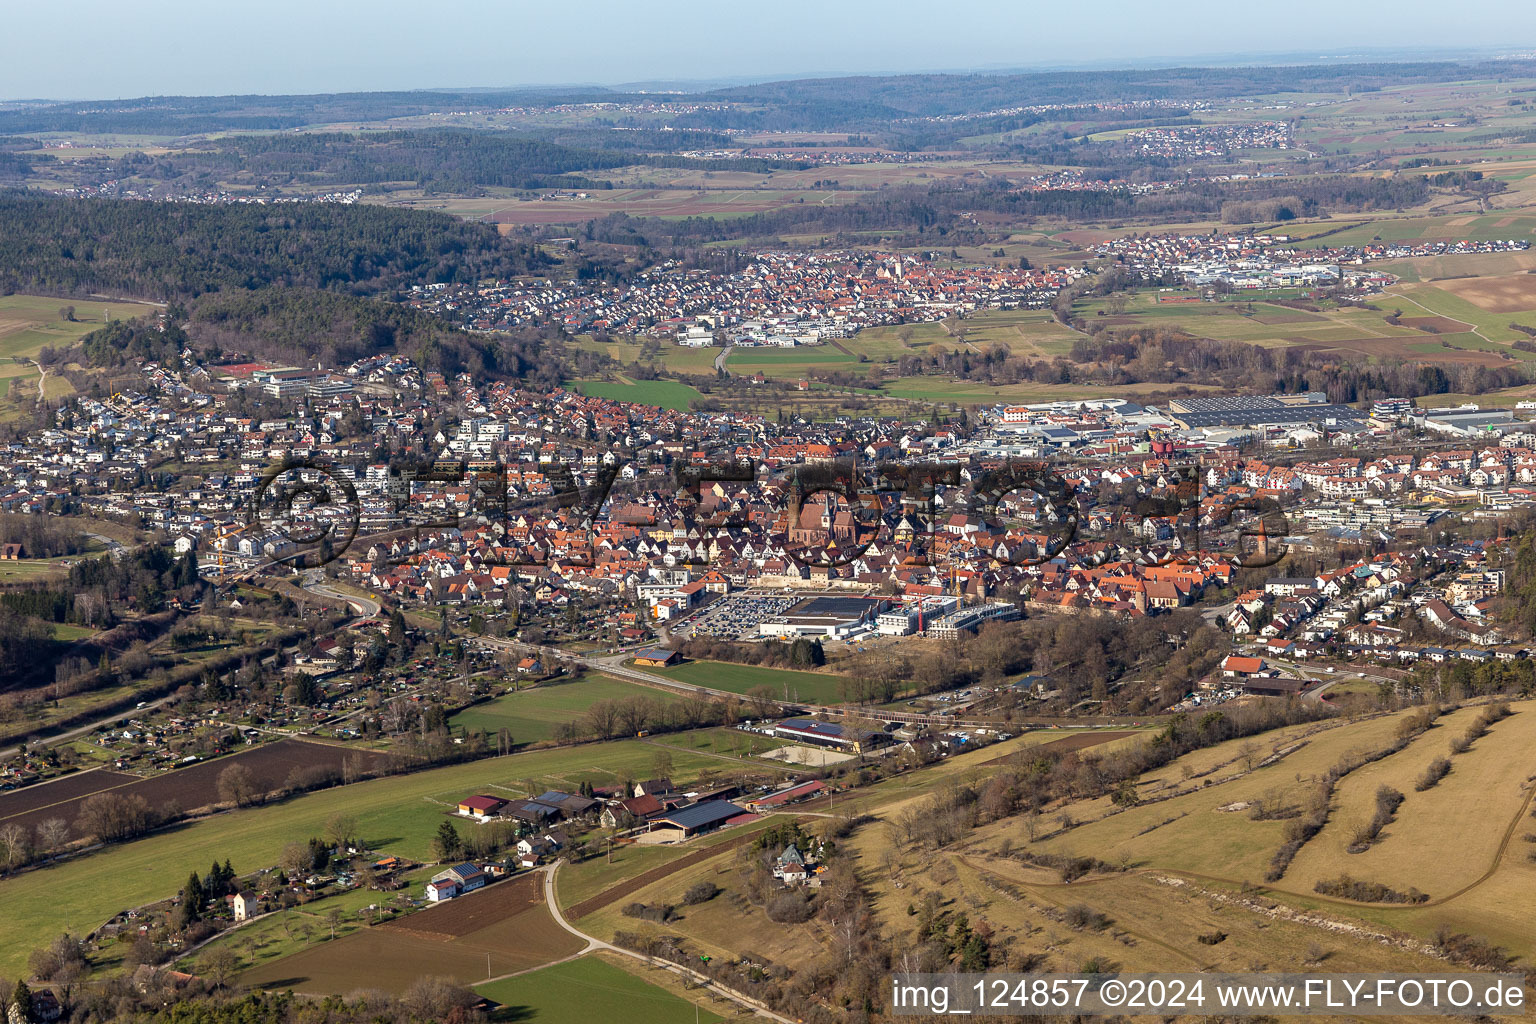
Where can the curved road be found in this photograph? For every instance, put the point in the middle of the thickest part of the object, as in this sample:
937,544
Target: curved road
367,607
721,358
681,971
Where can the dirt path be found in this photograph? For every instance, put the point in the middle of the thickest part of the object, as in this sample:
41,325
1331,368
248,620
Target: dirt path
594,943
1470,326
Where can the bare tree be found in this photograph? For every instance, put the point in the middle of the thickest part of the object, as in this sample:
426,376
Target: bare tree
13,840
237,785
341,829
218,965
52,834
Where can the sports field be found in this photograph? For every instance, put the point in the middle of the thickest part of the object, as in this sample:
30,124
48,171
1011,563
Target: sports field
783,684
533,714
667,394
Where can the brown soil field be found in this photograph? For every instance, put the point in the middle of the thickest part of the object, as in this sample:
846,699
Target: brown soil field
1436,324
463,916
516,933
1512,294
1065,745
50,795
198,785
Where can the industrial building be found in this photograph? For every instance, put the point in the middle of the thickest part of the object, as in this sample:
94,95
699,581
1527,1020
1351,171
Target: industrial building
971,619
1469,421
1260,410
826,616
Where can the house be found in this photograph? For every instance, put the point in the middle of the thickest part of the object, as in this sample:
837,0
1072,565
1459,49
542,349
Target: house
638,808
46,1006
530,666
10,552
456,881
481,808
1235,665
440,889
246,905
789,867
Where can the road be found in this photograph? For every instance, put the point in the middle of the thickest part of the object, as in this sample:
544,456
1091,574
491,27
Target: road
93,725
721,358
594,944
367,607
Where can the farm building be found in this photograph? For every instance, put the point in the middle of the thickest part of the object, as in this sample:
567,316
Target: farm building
480,807
697,818
784,796
456,881
657,657
827,734
533,812
1274,687
571,805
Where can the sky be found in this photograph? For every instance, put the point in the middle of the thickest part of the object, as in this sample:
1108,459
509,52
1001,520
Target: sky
107,49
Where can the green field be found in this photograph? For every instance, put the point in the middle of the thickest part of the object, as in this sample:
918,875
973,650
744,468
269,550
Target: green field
533,714
30,322
588,989
667,394
785,684
396,815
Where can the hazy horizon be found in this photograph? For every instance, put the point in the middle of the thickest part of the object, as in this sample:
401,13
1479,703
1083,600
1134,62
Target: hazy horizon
113,52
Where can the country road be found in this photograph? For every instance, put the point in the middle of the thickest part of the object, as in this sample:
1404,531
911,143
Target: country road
721,358
594,944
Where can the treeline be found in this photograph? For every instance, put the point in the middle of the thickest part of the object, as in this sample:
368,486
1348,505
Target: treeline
204,998
1160,355
41,536
178,250
1172,357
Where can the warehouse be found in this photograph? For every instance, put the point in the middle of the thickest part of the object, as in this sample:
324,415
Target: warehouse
1255,411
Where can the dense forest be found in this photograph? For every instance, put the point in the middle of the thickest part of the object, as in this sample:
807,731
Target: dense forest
167,251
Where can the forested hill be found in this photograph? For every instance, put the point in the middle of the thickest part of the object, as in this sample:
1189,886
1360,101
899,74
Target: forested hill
302,326
173,250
